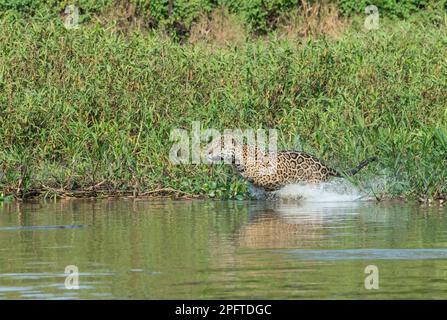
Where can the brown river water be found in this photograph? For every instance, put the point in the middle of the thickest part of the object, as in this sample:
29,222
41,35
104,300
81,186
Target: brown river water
163,249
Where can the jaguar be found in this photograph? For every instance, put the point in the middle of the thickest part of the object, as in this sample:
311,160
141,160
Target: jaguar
273,170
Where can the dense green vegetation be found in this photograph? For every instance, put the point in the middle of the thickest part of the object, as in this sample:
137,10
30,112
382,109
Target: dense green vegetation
178,16
90,111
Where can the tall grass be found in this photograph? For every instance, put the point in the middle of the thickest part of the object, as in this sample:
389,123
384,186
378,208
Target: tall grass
89,112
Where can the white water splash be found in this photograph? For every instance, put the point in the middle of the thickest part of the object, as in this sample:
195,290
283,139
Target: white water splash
337,190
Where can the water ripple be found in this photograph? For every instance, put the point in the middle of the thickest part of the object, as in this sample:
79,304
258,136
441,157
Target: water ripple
366,254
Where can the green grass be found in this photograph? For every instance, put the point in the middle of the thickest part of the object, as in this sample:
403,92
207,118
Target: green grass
88,111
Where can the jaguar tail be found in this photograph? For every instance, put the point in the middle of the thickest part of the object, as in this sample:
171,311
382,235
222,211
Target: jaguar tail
353,171
361,165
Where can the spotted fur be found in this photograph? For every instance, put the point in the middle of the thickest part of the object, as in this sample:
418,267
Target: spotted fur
258,167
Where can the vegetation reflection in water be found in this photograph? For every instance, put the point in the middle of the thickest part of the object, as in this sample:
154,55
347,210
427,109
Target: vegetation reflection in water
211,249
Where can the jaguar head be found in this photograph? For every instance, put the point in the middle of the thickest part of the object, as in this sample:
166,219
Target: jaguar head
224,147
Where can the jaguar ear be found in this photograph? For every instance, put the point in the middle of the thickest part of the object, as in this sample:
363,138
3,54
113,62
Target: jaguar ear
235,141
228,139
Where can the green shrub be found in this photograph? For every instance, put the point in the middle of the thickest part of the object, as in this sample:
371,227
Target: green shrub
27,8
388,8
261,16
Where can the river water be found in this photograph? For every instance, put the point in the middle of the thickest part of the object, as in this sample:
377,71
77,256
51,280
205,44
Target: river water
141,249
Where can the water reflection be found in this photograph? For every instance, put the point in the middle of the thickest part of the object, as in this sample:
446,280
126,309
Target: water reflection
213,249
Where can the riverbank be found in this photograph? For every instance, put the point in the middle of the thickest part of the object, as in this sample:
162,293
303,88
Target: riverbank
89,111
